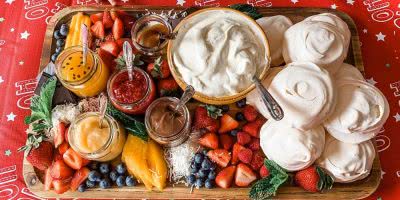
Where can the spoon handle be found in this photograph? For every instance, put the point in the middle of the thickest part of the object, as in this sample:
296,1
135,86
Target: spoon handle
186,96
273,107
128,59
84,39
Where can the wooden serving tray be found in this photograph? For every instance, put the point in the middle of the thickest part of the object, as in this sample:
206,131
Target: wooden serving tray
356,190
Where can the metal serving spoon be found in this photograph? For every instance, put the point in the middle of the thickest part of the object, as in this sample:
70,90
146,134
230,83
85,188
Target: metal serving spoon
273,107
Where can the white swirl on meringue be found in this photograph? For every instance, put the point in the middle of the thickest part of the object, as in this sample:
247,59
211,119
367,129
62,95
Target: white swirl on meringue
317,42
347,71
347,162
306,94
291,148
274,27
360,112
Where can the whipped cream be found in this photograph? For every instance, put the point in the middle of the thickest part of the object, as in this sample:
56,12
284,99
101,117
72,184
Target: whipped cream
360,112
274,27
219,51
318,42
306,94
291,148
347,71
347,162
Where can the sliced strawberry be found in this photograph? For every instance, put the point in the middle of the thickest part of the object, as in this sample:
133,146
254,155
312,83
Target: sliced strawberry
253,128
60,170
209,140
73,159
59,134
111,47
235,153
107,58
245,155
61,186
226,141
227,124
114,14
66,134
243,138
219,156
57,156
63,148
98,30
205,117
118,28
79,177
96,17
244,175
225,177
48,185
250,113
254,144
264,171
107,20
85,162
257,160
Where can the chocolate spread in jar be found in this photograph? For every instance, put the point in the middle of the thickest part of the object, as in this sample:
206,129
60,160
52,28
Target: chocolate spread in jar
164,121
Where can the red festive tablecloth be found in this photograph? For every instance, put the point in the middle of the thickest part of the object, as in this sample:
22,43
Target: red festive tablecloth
22,28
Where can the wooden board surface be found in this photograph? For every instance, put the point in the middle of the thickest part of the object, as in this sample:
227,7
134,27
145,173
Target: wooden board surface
357,190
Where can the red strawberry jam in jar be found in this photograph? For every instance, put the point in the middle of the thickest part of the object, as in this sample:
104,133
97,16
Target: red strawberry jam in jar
131,96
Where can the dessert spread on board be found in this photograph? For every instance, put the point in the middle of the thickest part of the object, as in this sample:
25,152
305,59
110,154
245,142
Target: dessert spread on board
121,121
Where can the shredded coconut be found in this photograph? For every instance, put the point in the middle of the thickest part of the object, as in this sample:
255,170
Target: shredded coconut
64,113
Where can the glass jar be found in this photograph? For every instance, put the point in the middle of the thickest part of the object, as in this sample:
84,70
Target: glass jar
166,127
131,96
84,81
96,139
146,34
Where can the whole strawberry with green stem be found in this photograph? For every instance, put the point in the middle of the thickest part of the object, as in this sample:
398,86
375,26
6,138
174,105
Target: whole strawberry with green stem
38,151
159,69
206,117
313,179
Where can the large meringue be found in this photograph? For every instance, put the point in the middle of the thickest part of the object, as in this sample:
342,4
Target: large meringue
318,42
347,162
360,112
274,27
347,71
291,148
306,94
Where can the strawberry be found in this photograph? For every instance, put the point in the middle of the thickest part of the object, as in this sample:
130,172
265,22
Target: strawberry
48,180
107,58
59,134
109,37
254,144
253,128
257,161
107,20
111,47
206,117
264,171
118,29
226,141
313,179
250,113
85,162
42,156
225,177
245,155
73,159
168,87
79,177
66,135
235,152
244,175
219,156
60,170
243,138
57,156
114,14
227,124
96,17
209,140
159,69
61,186
63,148
98,30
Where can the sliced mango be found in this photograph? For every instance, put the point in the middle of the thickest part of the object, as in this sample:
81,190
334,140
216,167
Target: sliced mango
157,164
74,34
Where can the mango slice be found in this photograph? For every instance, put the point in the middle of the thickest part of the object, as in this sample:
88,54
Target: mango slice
157,164
74,34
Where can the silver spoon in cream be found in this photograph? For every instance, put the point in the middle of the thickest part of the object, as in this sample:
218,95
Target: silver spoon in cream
273,107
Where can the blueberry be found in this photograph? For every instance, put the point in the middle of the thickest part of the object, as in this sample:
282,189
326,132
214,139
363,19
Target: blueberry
198,183
60,42
209,184
130,181
113,175
94,176
205,152
54,57
213,166
202,173
90,184
206,164
57,35
194,168
191,179
239,116
241,103
198,158
121,169
82,188
104,184
120,181
64,30
225,108
94,165
234,132
104,168
211,175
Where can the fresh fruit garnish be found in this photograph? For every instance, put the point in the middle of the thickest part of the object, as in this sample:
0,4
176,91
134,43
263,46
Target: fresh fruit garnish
245,155
98,30
227,124
313,179
235,152
79,177
61,186
226,141
241,103
73,159
60,170
63,148
158,69
107,20
243,138
257,161
209,140
264,171
96,17
239,116
85,162
253,128
48,180
219,156
118,29
225,177
66,134
109,37
168,87
110,47
206,117
250,113
42,156
114,14
244,175
254,144
107,58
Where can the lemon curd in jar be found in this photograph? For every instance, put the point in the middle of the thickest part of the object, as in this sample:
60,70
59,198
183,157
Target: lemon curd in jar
95,138
83,80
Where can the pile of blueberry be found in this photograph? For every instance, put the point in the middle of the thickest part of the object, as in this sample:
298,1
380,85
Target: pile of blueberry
202,172
60,36
104,176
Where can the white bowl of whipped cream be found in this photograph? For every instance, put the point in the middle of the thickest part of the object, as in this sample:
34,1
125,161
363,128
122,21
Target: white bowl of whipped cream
218,51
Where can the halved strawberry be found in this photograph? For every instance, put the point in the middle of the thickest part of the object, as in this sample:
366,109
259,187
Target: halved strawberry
96,17
66,134
118,29
107,20
97,30
245,155
225,177
79,177
209,140
60,170
111,47
219,156
63,148
61,186
48,185
159,69
227,123
59,134
264,172
244,175
226,141
253,128
205,117
73,159
250,113
235,152
243,138
257,160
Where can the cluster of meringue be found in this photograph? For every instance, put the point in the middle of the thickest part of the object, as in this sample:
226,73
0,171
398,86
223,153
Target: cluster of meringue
318,93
